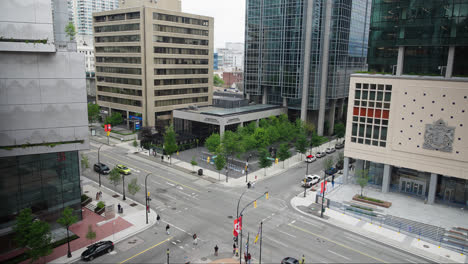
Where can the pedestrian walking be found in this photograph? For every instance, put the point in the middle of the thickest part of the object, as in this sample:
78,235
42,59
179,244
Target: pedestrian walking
234,248
157,219
100,194
248,185
216,250
167,229
249,257
118,208
303,259
162,158
195,239
97,196
333,181
245,258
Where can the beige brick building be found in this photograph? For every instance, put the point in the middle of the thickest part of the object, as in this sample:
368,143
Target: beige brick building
151,59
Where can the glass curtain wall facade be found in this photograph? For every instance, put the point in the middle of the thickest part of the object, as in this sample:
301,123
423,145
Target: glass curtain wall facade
274,48
46,183
426,28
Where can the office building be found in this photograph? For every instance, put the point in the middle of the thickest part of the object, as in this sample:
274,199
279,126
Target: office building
215,61
300,54
81,14
42,112
407,120
151,59
231,58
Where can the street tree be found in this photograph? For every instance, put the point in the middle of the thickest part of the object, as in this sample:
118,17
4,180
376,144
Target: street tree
115,177
212,142
115,119
217,81
22,228
327,164
231,146
272,135
316,141
283,153
194,163
249,142
220,160
362,178
340,130
261,138
70,30
263,159
170,144
39,242
84,161
135,143
67,220
93,112
301,144
133,187
91,234
309,128
340,159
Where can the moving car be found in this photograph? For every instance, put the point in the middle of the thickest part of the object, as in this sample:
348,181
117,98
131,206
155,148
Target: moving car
289,260
101,168
123,169
97,249
330,150
339,145
310,180
310,158
320,154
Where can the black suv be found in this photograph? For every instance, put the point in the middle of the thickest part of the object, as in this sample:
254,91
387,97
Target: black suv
97,249
101,168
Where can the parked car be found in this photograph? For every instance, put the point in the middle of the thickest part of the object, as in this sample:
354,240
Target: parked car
320,154
97,249
331,171
289,260
330,150
123,169
101,168
310,158
339,145
310,180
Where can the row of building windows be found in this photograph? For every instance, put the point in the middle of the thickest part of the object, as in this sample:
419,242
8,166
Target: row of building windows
124,38
180,91
180,61
180,81
119,90
180,30
114,28
174,40
180,51
180,19
179,71
117,17
136,71
180,101
119,100
119,49
368,134
118,80
131,60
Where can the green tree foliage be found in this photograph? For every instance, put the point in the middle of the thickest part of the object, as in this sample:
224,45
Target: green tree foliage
212,142
316,140
90,235
22,228
231,143
340,159
135,143
170,144
301,143
249,142
39,242
67,219
340,130
327,164
115,119
93,112
217,81
261,138
263,160
194,163
283,153
309,128
220,160
362,178
70,30
272,134
115,177
84,161
263,123
133,186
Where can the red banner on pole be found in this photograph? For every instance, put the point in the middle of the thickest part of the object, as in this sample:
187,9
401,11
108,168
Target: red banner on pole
237,226
323,186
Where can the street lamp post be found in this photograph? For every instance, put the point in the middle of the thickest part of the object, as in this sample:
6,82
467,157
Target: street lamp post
237,214
123,187
99,162
147,198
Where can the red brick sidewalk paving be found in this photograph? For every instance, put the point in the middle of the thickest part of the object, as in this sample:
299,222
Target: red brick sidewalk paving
81,228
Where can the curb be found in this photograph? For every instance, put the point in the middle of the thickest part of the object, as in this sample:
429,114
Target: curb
372,238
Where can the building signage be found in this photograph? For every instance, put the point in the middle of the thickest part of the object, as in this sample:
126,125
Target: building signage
137,125
438,136
136,117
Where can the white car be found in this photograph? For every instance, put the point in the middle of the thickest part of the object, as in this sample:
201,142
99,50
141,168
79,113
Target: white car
310,158
310,180
320,154
330,150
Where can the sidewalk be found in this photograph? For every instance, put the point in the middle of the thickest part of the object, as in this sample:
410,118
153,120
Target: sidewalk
132,221
376,232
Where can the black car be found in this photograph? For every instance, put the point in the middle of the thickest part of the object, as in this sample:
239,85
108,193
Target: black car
339,145
331,171
102,168
289,260
97,249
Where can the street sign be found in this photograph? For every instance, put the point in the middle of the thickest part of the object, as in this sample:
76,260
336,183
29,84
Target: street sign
137,125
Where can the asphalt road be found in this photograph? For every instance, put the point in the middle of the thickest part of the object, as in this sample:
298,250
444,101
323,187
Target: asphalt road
192,205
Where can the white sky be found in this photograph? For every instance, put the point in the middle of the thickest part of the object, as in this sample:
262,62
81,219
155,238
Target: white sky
229,18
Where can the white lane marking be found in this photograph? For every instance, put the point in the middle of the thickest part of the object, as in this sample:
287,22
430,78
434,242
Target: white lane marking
284,245
158,183
339,255
355,240
287,234
179,187
294,221
171,197
410,261
171,184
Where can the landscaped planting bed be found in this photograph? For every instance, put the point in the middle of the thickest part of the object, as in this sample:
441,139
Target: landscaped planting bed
373,201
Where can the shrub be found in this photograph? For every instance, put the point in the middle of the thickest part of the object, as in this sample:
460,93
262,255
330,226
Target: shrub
371,199
101,205
84,197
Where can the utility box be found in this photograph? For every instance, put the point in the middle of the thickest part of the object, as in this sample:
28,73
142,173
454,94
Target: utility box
200,172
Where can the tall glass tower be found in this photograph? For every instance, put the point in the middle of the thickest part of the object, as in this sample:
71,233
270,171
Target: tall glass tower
300,53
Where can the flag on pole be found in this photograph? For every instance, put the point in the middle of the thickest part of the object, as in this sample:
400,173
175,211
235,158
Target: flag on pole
323,186
258,234
237,226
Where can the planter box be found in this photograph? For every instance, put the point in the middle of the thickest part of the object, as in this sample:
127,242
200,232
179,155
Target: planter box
99,211
86,202
384,204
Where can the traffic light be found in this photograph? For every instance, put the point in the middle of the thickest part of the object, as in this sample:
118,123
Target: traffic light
208,160
276,161
148,194
266,196
255,204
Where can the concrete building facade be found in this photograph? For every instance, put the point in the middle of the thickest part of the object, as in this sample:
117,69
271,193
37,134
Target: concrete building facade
151,59
42,112
231,58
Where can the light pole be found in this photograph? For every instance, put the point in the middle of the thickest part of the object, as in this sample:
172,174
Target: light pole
237,214
146,199
305,177
247,167
99,162
123,187
167,251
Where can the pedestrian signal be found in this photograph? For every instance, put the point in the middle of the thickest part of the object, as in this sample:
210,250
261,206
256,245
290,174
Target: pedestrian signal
208,160
266,196
276,161
255,204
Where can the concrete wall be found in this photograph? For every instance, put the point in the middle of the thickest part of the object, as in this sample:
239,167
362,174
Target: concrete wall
416,102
